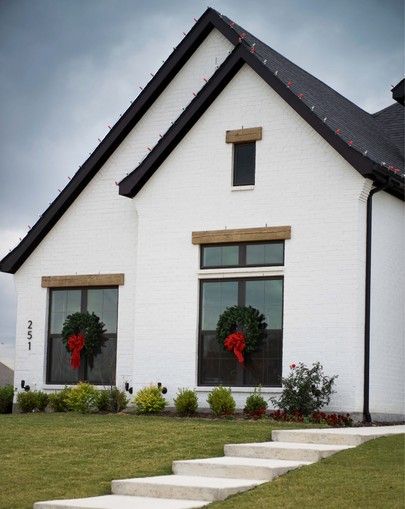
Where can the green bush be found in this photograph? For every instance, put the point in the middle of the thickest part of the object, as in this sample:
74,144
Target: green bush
82,398
42,401
305,390
32,401
6,399
149,400
112,400
255,405
221,401
58,400
186,402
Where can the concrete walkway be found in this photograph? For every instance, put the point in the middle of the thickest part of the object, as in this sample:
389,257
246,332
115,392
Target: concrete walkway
196,483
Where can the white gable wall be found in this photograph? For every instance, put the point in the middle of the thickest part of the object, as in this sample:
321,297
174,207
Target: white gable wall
300,181
387,353
98,233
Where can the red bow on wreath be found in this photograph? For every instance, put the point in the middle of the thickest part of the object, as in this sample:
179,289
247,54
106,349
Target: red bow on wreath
75,345
236,342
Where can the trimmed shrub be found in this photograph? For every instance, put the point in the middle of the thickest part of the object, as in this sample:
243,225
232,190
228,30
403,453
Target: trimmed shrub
82,398
32,401
256,405
112,400
58,400
6,399
149,400
305,390
221,401
186,402
42,401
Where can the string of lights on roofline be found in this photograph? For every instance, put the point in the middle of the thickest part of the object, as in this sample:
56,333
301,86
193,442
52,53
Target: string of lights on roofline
287,82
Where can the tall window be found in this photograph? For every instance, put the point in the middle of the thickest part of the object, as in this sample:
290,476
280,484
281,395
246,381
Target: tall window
262,367
244,157
63,302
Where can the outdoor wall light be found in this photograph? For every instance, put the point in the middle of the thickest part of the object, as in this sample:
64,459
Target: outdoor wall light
163,390
128,388
22,384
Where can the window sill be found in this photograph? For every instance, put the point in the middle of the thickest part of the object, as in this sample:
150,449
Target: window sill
242,188
59,387
264,390
241,272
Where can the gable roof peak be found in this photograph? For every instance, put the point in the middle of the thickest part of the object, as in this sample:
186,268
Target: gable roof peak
354,133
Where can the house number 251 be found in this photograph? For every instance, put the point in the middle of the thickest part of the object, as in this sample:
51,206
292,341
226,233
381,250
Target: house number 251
29,333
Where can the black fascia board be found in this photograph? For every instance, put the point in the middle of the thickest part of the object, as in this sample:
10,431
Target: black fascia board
131,184
209,20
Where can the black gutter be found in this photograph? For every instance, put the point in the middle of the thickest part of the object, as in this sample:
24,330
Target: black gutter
366,388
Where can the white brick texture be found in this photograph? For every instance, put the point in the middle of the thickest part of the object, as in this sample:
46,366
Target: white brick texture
300,181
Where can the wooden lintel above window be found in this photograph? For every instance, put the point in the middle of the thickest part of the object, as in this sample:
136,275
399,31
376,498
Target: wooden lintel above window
242,235
244,135
82,280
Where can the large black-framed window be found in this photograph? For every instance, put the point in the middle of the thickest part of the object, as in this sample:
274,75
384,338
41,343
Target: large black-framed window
103,301
247,254
217,366
244,162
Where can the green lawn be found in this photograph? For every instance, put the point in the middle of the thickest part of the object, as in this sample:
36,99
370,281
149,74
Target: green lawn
46,456
369,476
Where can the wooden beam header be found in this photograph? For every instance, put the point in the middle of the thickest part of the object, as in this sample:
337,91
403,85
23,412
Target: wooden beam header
242,235
244,135
82,280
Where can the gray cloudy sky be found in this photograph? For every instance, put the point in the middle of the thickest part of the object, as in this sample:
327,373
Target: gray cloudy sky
70,67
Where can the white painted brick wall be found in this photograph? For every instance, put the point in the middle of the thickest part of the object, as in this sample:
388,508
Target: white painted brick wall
301,181
98,234
387,353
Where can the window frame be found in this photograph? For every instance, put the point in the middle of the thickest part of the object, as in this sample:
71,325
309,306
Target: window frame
241,299
236,146
83,370
242,255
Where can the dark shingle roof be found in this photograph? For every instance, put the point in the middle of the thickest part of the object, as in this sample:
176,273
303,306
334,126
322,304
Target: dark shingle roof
359,128
362,140
392,120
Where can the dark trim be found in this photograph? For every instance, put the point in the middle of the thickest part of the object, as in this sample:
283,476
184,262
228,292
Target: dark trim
209,20
242,255
241,302
367,305
131,185
241,55
83,371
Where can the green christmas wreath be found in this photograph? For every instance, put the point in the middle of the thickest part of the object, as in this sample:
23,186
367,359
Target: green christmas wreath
83,334
241,329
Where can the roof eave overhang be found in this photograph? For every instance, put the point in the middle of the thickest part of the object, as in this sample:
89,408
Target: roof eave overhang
241,55
205,24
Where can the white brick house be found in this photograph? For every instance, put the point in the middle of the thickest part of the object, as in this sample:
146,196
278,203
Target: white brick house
296,195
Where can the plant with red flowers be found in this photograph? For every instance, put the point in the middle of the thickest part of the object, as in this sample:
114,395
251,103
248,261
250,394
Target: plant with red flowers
305,390
240,330
83,335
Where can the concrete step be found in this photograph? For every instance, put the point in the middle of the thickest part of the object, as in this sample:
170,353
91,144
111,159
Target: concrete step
121,502
183,487
284,450
336,436
236,467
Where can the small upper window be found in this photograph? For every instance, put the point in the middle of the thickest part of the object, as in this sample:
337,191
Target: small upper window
244,156
250,254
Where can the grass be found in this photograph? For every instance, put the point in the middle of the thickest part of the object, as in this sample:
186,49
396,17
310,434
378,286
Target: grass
47,456
371,475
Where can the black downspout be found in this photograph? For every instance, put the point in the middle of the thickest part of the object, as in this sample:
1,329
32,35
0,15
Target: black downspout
366,394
